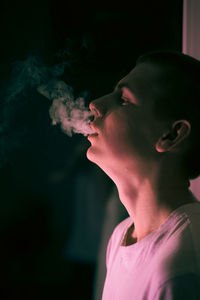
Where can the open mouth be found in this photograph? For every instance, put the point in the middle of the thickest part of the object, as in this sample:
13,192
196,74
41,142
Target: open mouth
92,135
93,127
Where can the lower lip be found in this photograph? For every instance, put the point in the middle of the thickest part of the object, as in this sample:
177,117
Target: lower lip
92,135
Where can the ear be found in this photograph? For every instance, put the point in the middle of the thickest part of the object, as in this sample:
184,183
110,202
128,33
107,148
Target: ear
179,131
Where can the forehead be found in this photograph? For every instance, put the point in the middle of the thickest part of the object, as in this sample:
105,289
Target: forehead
143,81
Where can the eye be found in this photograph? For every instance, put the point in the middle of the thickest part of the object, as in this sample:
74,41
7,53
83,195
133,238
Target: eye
124,101
127,97
124,97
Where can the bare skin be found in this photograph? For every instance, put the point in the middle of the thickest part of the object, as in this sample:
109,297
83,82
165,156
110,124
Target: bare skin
139,153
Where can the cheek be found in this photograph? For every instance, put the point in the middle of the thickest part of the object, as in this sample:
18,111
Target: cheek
112,143
119,136
128,137
122,138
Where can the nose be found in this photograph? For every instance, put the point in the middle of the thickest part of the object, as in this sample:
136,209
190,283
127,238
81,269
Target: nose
93,107
99,106
91,118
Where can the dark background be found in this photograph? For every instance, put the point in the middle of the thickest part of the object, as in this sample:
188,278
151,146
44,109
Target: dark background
41,174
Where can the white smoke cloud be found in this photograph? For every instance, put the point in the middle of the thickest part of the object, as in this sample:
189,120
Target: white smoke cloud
70,113
18,97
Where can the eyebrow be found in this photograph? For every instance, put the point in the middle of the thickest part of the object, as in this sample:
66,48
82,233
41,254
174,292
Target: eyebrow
120,85
123,85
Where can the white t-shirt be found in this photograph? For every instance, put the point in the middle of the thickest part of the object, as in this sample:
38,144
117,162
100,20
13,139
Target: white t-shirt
164,265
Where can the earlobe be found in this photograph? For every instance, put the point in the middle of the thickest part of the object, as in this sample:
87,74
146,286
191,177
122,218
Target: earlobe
180,131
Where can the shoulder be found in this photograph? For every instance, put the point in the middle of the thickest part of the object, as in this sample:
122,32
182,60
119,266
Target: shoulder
120,231
123,225
177,247
183,244
116,239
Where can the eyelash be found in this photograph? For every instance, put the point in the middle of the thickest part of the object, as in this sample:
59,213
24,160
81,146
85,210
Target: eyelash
124,101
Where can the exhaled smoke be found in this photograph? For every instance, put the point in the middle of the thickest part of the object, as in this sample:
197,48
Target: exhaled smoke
70,113
18,103
30,73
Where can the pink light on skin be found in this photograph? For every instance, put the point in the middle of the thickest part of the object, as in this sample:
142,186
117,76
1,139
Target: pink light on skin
126,95
125,149
126,127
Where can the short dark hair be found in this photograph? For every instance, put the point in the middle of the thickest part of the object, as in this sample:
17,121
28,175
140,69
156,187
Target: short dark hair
179,97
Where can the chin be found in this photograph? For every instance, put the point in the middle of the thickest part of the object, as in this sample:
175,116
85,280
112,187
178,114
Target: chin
90,154
98,160
93,156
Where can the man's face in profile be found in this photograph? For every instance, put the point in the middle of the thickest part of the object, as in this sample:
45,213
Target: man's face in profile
126,128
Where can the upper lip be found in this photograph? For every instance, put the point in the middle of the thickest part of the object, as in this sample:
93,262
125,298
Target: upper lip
92,125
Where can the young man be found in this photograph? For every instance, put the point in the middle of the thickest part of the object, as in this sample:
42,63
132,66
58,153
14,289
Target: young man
147,141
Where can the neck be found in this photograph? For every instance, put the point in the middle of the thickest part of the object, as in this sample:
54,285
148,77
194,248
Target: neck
149,202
